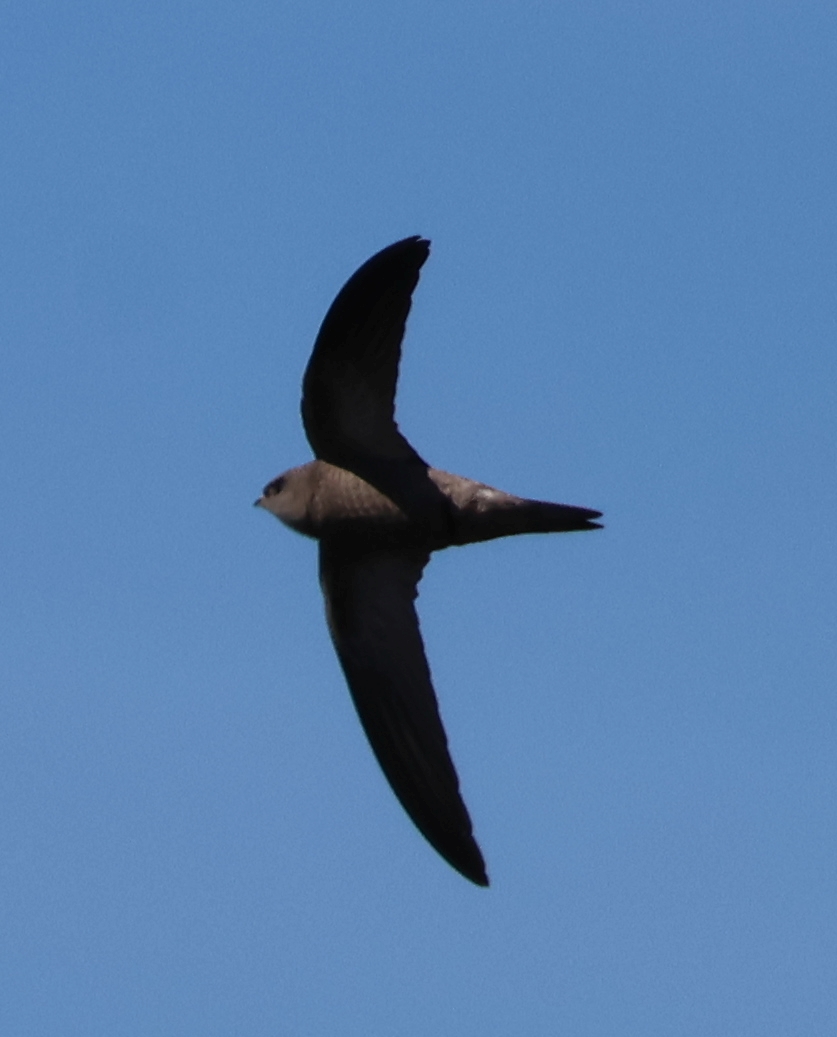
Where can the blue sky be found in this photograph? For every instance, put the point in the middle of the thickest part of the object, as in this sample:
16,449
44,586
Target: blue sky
629,305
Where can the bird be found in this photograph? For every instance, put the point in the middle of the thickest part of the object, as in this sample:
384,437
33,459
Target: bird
378,511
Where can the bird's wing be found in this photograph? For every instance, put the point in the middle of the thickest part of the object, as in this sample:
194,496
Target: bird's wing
348,392
373,623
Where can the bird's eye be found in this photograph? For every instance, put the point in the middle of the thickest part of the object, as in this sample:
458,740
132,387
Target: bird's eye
274,487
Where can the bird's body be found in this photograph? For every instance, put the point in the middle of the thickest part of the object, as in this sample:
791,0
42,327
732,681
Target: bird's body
322,501
378,511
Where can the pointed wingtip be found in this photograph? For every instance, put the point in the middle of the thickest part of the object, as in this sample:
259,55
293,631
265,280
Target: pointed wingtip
477,875
481,880
415,244
467,859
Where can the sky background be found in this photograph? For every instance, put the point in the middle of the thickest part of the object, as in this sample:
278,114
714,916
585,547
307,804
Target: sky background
630,305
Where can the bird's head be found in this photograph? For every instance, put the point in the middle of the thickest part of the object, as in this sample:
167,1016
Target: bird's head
287,497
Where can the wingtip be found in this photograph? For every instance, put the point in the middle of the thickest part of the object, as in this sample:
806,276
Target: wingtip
468,861
481,881
415,241
477,875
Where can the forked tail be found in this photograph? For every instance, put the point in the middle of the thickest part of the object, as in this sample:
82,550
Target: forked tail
498,514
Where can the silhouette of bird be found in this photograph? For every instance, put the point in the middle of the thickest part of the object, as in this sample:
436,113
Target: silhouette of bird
378,510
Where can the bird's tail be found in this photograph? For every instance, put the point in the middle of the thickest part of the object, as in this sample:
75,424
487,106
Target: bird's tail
500,514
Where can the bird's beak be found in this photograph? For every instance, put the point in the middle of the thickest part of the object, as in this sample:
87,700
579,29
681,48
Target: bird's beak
258,503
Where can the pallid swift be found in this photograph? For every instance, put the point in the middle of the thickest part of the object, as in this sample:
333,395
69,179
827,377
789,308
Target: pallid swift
378,510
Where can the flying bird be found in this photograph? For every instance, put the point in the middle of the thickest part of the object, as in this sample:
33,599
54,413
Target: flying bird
378,510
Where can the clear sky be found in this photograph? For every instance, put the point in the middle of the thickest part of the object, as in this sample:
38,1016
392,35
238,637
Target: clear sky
630,305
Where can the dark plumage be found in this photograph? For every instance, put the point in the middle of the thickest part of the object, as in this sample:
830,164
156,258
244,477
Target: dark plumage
378,510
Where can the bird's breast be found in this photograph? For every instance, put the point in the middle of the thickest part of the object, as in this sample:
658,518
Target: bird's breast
347,506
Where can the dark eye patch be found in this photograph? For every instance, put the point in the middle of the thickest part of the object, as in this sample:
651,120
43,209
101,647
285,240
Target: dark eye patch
274,487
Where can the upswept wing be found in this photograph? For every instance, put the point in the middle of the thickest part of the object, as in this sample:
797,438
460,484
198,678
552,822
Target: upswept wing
348,391
373,622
